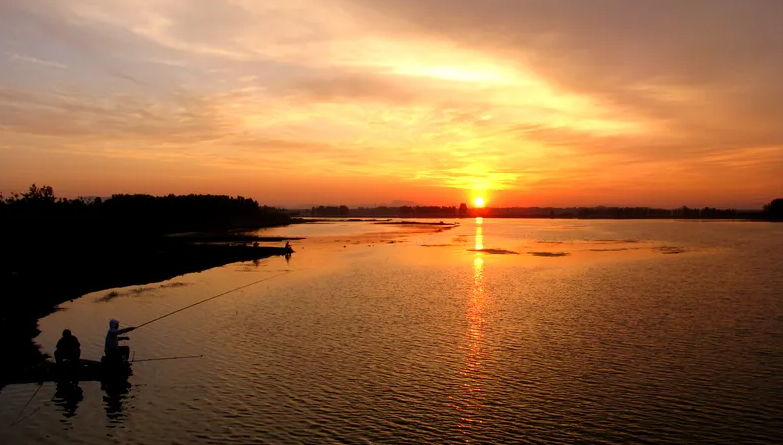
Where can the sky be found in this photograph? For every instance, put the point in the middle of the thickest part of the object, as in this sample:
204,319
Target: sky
360,102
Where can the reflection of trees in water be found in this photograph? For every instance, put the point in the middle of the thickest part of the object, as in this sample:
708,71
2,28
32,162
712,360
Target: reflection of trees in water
116,393
67,397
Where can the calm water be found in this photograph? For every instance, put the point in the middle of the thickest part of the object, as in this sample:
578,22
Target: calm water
498,331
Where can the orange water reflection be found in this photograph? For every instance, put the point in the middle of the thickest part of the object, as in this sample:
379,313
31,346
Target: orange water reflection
473,372
479,234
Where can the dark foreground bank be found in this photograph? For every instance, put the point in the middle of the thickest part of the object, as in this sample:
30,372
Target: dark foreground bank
63,275
53,250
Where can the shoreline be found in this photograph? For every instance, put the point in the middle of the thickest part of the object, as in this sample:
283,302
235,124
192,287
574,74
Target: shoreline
405,219
48,276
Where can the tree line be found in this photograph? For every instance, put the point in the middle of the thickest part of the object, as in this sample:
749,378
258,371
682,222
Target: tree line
146,213
386,211
771,211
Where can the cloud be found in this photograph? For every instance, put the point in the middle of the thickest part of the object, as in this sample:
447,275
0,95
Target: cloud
30,59
702,62
185,119
499,94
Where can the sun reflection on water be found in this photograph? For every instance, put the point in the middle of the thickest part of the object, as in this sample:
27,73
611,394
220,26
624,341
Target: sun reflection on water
479,238
475,351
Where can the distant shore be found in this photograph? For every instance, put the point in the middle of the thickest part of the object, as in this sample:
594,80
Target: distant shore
770,212
755,217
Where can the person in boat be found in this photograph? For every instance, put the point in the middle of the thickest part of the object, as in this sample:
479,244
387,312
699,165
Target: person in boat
112,349
68,349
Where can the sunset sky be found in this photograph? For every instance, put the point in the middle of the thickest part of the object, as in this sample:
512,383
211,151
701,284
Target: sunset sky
300,102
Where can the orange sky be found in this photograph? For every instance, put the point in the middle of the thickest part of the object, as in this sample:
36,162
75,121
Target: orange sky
537,102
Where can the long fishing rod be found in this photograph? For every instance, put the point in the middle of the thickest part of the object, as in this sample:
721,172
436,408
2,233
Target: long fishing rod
166,358
211,298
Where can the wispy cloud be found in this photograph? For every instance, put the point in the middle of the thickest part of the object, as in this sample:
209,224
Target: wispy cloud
22,58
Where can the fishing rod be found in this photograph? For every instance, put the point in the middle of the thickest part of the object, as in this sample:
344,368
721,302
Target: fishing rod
17,420
166,358
211,298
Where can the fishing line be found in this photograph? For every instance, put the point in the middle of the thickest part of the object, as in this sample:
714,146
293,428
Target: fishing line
17,420
212,298
27,416
166,358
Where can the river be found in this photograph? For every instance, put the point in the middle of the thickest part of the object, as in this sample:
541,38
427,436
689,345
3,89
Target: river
497,331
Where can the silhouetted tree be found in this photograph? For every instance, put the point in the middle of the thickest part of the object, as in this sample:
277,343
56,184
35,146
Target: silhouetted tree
774,209
463,210
43,194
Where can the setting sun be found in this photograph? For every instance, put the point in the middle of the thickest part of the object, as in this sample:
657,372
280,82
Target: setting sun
479,202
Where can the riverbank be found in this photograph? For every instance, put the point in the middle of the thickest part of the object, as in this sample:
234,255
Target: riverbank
42,273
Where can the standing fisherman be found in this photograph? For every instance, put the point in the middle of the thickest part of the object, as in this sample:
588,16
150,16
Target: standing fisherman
112,349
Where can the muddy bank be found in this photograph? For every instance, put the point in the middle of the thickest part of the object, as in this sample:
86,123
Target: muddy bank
418,223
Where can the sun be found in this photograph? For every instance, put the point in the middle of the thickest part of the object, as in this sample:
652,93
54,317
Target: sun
479,202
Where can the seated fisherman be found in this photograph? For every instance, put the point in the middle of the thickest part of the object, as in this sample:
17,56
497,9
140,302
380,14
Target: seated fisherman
112,349
68,348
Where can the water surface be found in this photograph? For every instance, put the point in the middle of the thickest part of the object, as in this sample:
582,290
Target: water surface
498,331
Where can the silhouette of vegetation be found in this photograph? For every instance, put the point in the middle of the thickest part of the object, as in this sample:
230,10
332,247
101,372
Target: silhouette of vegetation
774,210
384,211
144,213
56,249
329,211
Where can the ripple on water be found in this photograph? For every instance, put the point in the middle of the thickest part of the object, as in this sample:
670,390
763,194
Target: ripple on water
381,346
